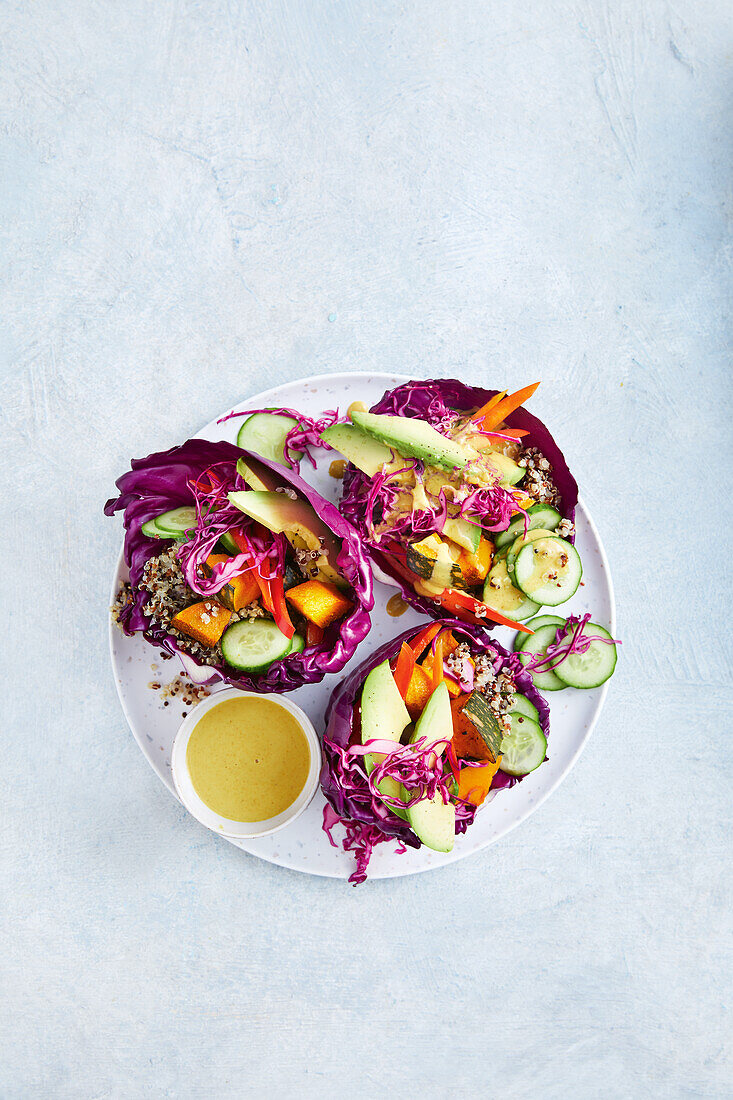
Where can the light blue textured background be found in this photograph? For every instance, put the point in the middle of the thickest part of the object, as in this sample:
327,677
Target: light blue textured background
199,200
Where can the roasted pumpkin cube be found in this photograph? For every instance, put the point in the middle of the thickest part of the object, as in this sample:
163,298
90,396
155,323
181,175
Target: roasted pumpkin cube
475,567
419,690
319,602
475,783
238,592
468,744
205,622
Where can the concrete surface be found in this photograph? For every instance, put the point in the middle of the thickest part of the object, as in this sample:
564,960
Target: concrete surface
199,199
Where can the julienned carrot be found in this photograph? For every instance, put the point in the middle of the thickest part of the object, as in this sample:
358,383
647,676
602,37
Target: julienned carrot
515,433
421,641
403,669
491,417
438,674
455,601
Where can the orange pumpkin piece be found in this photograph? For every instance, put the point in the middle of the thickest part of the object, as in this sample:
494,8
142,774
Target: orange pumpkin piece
205,622
475,567
467,741
419,690
238,592
475,783
319,602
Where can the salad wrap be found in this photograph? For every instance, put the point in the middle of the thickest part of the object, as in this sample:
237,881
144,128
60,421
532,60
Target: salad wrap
532,488
289,568
478,673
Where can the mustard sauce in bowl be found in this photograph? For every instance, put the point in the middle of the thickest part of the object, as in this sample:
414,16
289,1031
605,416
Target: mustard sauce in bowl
244,764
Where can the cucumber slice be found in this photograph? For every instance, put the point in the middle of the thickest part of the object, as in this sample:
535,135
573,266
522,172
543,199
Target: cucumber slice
534,646
548,571
297,644
171,525
253,646
230,546
265,433
535,624
592,668
521,542
539,515
524,747
500,593
522,705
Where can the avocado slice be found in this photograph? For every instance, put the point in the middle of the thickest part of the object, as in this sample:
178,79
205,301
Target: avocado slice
384,716
362,450
510,473
414,439
433,821
297,520
463,533
458,530
257,476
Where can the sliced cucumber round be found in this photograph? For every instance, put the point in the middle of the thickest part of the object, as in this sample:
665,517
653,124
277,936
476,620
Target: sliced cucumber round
535,624
522,705
265,434
521,542
524,747
500,593
548,571
539,515
536,646
253,646
297,644
171,525
592,668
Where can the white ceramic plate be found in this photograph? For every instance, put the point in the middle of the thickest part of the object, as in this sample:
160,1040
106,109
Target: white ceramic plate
303,846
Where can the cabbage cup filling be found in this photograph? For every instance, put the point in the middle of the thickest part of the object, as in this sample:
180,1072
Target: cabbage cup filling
240,567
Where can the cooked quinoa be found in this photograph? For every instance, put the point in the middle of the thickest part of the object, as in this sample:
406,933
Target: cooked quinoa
538,482
169,593
499,689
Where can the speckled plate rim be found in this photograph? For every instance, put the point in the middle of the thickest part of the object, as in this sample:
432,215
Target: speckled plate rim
461,851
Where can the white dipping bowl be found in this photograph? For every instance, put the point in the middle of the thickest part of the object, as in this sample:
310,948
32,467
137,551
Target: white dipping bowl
241,830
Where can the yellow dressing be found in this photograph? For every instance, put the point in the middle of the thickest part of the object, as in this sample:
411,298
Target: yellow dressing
248,759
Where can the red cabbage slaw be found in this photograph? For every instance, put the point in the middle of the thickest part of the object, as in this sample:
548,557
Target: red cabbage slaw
178,477
301,438
570,638
350,795
441,402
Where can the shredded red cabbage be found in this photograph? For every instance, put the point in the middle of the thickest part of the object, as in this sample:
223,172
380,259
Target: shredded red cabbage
359,838
305,435
569,638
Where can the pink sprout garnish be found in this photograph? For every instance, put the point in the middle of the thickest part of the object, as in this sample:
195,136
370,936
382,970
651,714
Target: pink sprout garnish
569,638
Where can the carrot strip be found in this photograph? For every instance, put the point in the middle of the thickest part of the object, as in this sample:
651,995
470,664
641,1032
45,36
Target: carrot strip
403,669
455,601
421,641
508,405
438,662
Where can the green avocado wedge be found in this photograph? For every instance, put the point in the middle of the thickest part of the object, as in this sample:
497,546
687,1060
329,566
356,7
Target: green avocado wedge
384,717
432,820
362,450
414,439
298,521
